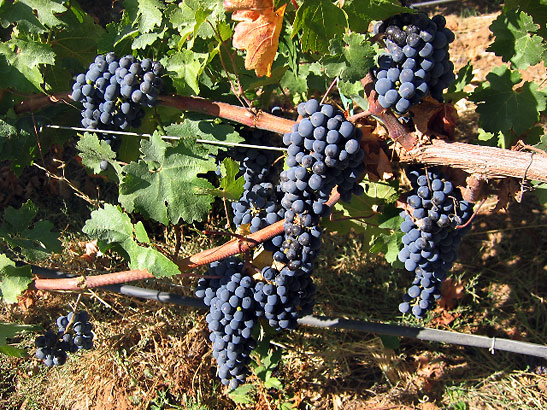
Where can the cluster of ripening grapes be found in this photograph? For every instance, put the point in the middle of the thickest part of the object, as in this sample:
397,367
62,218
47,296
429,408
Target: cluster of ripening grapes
433,227
323,152
417,62
114,91
73,333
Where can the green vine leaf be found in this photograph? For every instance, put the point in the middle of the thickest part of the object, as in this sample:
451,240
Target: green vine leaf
503,109
114,229
185,67
32,15
514,42
362,12
350,57
535,8
231,187
147,14
36,241
20,62
13,280
319,21
164,185
93,151
455,92
10,330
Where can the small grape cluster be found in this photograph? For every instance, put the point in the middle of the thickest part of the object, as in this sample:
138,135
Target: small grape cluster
74,333
231,318
417,62
114,91
432,237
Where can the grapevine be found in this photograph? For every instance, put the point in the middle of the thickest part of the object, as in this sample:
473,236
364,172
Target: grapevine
296,130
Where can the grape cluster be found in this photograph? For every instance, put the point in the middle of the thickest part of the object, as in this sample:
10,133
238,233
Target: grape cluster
74,333
431,239
231,318
417,62
114,91
323,152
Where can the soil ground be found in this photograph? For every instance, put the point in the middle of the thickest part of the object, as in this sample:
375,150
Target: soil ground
156,356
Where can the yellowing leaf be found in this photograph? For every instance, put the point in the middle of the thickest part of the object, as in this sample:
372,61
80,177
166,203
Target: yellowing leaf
258,33
233,5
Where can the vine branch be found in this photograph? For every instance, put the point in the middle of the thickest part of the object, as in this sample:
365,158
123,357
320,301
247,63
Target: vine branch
230,248
489,162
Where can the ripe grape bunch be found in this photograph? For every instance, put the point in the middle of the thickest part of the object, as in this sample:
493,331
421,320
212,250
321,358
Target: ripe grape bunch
114,91
231,318
74,333
417,62
432,237
323,152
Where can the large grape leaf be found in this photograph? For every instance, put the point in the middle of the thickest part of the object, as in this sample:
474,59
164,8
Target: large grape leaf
20,62
77,42
197,18
501,108
164,185
514,41
114,229
16,144
13,280
319,21
22,15
362,12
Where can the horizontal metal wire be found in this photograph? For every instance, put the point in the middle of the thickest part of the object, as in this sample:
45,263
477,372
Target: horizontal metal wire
420,333
166,137
431,3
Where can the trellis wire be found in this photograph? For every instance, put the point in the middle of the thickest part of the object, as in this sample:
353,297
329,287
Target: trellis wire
431,3
420,333
166,137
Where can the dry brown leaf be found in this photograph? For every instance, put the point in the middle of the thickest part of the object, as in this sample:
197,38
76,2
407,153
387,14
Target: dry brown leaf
91,250
443,317
384,166
429,371
258,33
26,300
434,118
451,291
